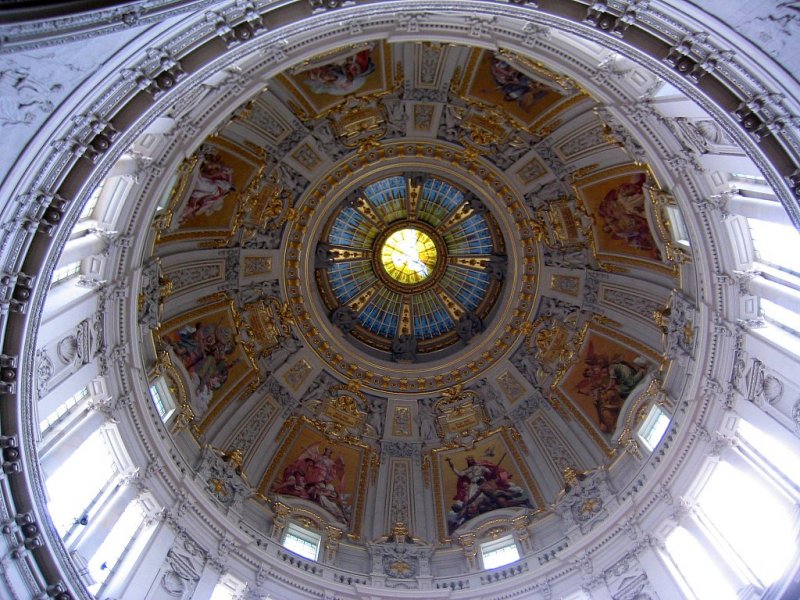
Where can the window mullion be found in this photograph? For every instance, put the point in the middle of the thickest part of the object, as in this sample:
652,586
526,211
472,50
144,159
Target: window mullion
750,458
76,533
718,550
716,542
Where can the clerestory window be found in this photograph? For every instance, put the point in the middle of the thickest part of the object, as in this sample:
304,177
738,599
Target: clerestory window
302,541
499,552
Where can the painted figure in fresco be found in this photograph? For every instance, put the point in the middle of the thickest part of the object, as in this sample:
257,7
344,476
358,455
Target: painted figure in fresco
317,476
342,78
214,181
482,486
624,218
204,349
516,87
609,382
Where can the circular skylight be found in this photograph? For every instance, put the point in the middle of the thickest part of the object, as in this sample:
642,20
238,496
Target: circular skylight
408,267
409,256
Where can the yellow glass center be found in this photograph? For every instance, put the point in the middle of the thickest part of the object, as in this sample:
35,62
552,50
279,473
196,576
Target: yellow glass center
409,256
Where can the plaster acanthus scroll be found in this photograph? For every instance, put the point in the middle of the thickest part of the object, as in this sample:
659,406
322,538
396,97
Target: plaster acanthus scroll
535,34
44,371
399,449
642,306
247,436
155,288
223,478
796,416
586,500
677,323
189,275
627,580
400,502
557,452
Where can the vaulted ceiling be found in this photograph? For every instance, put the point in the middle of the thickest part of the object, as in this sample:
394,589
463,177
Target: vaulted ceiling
552,257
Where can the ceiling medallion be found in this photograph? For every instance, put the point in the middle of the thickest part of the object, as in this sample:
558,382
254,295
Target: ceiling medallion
412,272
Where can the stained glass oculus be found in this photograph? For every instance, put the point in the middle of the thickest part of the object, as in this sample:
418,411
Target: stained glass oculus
409,256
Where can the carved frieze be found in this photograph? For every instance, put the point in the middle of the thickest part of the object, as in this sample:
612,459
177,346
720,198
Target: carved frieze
183,568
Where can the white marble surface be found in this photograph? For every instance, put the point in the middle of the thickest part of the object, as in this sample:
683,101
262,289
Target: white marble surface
773,26
34,84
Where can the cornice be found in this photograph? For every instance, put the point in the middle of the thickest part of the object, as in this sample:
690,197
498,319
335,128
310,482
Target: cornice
29,29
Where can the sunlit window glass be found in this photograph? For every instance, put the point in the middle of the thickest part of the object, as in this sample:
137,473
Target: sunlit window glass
747,177
780,315
499,552
113,546
753,519
776,244
66,272
91,203
222,592
162,398
779,454
697,568
63,409
301,541
653,427
76,483
229,588
409,256
677,226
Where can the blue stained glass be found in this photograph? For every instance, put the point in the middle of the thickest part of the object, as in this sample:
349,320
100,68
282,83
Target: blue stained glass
466,286
388,197
437,200
349,279
470,236
351,229
430,316
381,314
